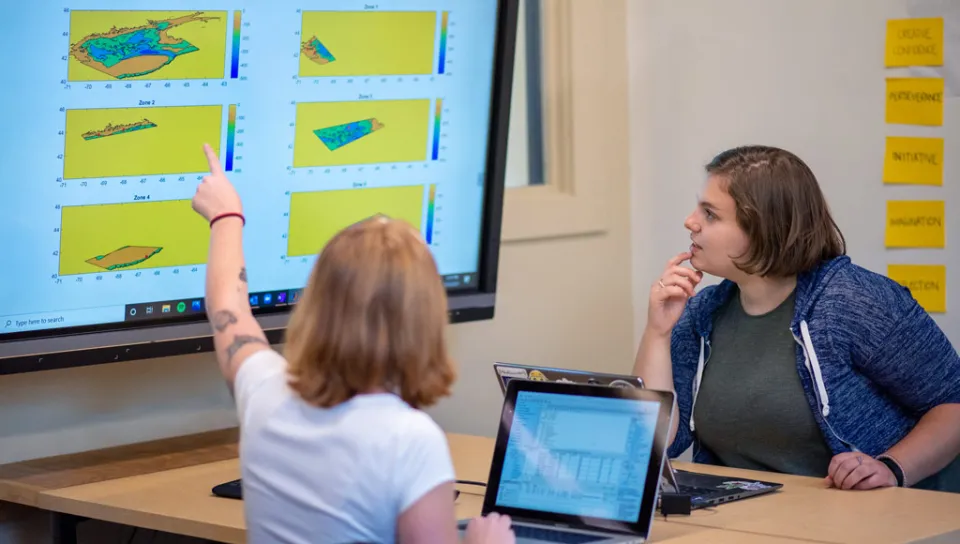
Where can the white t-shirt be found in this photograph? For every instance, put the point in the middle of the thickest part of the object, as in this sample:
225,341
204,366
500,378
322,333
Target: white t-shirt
337,475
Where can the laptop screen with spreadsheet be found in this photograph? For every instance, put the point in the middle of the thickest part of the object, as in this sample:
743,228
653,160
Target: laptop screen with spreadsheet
579,455
583,456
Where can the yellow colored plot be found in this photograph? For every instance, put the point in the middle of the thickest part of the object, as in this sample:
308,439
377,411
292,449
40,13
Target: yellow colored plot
110,45
367,43
316,217
173,146
402,138
131,236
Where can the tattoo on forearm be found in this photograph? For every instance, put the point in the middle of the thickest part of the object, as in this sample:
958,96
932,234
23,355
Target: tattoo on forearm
223,319
242,288
241,340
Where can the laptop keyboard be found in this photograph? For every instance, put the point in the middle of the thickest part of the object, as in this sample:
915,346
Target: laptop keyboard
694,491
551,535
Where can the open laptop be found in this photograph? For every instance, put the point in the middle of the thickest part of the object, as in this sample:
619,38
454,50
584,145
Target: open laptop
704,489
578,463
709,489
508,371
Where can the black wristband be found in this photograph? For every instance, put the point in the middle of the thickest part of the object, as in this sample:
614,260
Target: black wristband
894,468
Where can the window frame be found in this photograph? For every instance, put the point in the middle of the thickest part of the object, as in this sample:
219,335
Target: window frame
565,204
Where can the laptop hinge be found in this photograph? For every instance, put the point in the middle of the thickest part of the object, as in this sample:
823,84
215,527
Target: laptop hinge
562,525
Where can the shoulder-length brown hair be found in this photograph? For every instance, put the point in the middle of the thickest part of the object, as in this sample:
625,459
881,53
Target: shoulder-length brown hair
781,208
373,316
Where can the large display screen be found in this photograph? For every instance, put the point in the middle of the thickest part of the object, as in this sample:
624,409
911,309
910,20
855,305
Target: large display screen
322,114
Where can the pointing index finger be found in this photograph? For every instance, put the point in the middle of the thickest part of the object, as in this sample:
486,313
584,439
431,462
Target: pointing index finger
212,160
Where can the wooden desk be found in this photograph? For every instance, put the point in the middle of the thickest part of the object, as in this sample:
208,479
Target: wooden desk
179,501
165,485
805,508
23,482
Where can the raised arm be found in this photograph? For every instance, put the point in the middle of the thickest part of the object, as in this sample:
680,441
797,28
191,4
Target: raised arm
236,334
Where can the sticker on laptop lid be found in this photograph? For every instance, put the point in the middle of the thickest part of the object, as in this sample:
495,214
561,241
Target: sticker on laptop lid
511,373
745,486
538,376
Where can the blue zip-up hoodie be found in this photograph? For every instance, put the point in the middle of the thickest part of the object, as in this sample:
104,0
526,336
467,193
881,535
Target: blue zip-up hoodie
871,360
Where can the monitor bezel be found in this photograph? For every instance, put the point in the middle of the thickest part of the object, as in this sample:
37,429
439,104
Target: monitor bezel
641,525
50,349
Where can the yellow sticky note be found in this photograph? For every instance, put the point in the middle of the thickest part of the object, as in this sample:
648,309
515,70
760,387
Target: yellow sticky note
927,283
915,101
915,223
917,161
915,42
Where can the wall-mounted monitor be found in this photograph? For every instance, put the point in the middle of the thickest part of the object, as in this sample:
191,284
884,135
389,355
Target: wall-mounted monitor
323,113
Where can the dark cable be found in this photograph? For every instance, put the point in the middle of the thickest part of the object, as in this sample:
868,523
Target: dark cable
472,482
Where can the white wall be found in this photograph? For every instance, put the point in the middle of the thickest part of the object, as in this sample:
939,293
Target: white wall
806,75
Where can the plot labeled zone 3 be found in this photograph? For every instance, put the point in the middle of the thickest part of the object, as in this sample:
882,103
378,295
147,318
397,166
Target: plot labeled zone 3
363,43
316,217
121,45
113,142
363,132
130,236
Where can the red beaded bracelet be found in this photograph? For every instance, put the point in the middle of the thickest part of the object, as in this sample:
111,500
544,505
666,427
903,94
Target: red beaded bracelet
228,214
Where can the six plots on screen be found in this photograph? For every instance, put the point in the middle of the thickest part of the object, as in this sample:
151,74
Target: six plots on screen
320,117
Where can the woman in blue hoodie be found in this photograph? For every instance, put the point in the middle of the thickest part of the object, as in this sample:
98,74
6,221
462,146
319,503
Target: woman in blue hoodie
799,361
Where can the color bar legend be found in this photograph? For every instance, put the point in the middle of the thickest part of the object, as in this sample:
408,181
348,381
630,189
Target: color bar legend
444,22
436,130
235,59
231,134
430,211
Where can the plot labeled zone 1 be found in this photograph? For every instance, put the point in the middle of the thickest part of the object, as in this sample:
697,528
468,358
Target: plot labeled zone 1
108,45
367,43
338,136
131,236
316,217
361,132
113,142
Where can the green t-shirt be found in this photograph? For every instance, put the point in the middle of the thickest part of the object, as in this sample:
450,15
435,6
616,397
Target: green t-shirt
751,411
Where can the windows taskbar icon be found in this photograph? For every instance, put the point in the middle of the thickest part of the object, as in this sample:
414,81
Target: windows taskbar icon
193,306
163,309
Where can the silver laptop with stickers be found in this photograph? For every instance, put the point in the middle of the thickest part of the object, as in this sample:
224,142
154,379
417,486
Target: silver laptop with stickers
509,371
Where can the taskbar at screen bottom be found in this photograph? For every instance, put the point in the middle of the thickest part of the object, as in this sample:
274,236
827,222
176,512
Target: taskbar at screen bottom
187,307
261,300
